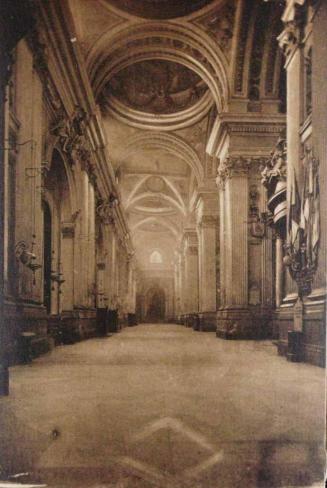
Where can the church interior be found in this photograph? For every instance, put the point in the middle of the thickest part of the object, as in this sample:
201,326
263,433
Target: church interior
163,243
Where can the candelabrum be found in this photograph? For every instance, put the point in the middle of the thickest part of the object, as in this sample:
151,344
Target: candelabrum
299,267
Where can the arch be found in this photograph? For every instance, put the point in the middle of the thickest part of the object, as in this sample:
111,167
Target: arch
172,144
160,40
168,198
53,147
157,220
163,122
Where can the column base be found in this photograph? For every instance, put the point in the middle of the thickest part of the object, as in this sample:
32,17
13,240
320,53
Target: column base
207,321
243,323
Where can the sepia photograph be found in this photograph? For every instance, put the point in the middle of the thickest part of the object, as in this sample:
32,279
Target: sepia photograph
163,243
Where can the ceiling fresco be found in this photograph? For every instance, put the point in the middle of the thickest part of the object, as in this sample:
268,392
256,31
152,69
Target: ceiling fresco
159,9
156,86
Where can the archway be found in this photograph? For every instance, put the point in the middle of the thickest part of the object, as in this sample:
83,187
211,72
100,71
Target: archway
155,305
58,237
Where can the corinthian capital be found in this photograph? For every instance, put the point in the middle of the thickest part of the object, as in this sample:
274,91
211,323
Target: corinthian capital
235,165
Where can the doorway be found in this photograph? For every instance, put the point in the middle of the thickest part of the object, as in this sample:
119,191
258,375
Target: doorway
156,305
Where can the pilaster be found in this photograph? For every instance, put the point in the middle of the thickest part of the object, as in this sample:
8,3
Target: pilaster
191,272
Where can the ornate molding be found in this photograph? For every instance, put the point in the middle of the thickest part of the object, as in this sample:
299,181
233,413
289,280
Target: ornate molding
275,167
236,166
70,131
105,210
232,166
273,178
160,40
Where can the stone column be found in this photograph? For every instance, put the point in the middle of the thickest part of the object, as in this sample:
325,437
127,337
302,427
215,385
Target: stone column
91,247
100,298
191,272
67,265
279,271
182,286
81,264
176,290
208,271
233,318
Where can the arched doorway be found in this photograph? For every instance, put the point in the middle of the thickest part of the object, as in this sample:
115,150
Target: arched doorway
155,305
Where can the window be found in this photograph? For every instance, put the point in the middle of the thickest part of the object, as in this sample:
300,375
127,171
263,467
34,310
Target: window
155,258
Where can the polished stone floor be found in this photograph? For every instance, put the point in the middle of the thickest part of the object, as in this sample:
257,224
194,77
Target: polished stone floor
162,406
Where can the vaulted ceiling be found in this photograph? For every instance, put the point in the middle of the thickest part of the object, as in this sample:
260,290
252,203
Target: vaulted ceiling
161,70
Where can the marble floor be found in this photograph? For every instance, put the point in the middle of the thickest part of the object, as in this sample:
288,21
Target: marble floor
162,406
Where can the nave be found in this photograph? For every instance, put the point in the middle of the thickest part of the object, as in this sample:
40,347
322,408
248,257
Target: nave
163,406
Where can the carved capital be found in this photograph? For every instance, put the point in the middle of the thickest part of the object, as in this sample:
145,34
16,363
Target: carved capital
232,166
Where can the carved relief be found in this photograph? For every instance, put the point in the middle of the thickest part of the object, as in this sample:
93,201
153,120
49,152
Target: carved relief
275,167
105,209
273,178
72,137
